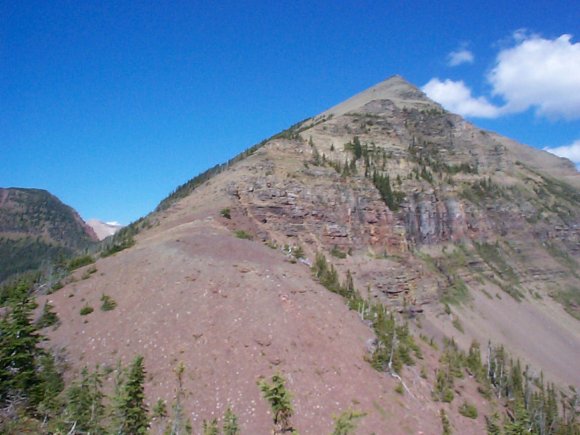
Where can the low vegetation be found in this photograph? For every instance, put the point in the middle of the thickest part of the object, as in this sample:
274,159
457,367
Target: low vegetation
107,303
242,234
468,410
86,310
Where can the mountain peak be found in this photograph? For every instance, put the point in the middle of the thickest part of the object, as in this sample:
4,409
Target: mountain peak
395,89
104,229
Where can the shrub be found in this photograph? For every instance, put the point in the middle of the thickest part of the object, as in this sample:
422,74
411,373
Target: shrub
86,310
107,303
446,426
335,252
280,401
345,423
87,274
75,263
298,252
48,317
225,212
468,410
241,234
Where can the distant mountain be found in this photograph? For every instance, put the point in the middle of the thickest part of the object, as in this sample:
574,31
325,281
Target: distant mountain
104,229
36,227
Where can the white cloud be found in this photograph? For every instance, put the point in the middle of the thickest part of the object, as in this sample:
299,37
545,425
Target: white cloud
456,97
539,73
460,56
571,152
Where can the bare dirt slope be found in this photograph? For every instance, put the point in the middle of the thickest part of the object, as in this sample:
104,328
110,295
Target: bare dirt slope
233,311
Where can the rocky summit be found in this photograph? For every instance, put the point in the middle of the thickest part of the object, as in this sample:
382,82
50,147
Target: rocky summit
292,258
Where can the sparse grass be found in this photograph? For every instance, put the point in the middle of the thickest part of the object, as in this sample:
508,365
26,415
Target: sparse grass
446,426
490,253
87,273
570,299
77,262
457,292
241,234
336,252
508,279
457,325
562,257
298,252
399,389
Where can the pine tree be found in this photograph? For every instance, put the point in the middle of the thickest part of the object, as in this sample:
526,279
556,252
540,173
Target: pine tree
180,424
230,426
19,353
345,423
132,411
48,317
85,409
210,427
280,401
159,414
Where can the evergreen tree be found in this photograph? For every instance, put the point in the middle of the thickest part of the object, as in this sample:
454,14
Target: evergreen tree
48,317
19,352
210,427
159,413
180,424
132,411
492,425
345,423
230,426
280,401
85,409
356,148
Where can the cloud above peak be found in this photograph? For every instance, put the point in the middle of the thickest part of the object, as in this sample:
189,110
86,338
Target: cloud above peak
540,73
534,73
459,57
456,97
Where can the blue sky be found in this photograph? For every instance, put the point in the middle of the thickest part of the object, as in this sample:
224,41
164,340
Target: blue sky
110,105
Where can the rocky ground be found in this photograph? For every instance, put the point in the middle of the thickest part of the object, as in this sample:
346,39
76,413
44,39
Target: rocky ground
486,249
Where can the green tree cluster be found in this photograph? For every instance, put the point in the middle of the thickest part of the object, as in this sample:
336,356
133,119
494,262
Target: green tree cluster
28,375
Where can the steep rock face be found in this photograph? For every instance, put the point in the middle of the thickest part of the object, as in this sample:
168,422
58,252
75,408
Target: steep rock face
431,219
473,215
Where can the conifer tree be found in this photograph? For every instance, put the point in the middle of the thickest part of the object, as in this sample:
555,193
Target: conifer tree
85,409
280,401
345,423
210,427
19,353
48,317
132,411
180,424
230,426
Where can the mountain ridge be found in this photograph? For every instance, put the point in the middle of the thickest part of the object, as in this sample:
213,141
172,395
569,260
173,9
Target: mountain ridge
432,218
36,227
